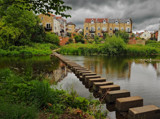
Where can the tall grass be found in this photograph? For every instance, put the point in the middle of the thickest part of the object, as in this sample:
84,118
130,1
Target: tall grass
35,49
22,98
113,46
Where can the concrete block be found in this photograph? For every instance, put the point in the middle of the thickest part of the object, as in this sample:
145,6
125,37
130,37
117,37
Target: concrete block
96,85
86,78
123,104
145,112
91,81
113,95
104,89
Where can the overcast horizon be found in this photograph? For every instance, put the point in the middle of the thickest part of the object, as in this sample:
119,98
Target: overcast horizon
144,13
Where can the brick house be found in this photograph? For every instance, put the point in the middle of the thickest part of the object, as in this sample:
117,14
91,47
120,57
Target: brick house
99,26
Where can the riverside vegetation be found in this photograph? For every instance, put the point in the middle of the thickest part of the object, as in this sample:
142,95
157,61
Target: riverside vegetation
114,45
23,96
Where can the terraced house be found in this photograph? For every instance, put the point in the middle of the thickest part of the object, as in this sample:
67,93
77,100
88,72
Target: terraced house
53,24
100,26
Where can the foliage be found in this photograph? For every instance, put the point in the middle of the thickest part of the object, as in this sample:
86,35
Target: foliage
17,26
52,38
36,49
39,34
40,6
97,39
124,35
79,39
36,94
114,46
151,41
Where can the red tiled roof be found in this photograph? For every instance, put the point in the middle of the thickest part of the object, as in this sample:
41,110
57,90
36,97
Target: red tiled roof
99,20
88,20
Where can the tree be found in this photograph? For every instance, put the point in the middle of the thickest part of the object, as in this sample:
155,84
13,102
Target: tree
79,39
38,6
17,26
52,38
123,35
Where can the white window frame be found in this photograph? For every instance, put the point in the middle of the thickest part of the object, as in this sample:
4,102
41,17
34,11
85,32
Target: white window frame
116,22
104,21
92,21
104,29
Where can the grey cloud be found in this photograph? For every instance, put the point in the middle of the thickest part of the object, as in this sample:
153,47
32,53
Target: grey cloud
143,12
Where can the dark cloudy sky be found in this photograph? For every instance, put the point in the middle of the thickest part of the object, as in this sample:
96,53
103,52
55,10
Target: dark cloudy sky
144,13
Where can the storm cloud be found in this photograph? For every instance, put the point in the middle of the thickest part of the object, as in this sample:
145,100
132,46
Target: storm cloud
144,13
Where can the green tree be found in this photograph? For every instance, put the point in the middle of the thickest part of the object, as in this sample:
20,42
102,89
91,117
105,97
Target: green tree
17,26
38,6
52,38
79,39
123,35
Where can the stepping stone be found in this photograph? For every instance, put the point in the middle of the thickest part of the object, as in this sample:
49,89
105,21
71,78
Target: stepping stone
123,104
91,81
96,85
80,72
113,95
104,89
87,74
86,78
145,112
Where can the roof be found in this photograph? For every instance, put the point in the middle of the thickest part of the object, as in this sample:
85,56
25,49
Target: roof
100,20
70,23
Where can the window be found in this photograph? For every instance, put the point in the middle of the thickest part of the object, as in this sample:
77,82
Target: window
116,29
86,34
128,22
48,25
99,28
116,22
86,28
104,29
111,29
92,29
41,18
128,29
104,21
122,28
99,34
92,21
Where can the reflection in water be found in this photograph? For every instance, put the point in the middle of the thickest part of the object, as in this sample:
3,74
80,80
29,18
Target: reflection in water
133,74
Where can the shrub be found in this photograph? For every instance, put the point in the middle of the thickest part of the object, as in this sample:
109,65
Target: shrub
114,46
52,38
79,39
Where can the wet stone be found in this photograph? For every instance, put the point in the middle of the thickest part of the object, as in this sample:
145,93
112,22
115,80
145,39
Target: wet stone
123,104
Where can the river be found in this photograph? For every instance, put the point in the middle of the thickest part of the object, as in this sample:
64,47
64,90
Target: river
140,77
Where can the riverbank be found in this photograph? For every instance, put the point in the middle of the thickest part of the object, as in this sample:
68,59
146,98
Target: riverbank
35,49
34,98
110,50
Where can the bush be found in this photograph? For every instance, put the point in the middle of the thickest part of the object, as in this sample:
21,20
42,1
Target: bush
79,39
114,46
52,38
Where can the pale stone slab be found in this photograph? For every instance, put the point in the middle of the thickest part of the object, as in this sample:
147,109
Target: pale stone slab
91,81
145,112
113,95
123,104
104,89
96,85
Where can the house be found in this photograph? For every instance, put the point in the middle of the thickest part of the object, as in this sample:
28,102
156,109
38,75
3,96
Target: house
79,30
71,27
100,26
53,24
145,35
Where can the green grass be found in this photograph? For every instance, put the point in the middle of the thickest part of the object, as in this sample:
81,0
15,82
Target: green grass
23,98
113,48
35,49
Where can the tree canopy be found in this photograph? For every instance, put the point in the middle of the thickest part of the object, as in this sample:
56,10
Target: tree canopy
38,6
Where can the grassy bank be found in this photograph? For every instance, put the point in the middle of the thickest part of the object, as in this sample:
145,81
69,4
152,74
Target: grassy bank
28,98
113,49
35,49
